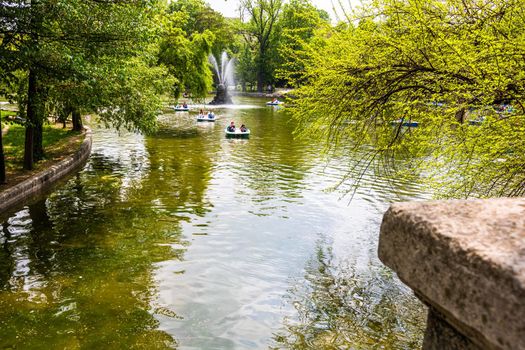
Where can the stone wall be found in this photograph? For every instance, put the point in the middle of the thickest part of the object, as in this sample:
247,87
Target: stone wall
466,261
46,178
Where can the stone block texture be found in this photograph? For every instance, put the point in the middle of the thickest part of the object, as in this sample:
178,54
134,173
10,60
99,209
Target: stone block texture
466,260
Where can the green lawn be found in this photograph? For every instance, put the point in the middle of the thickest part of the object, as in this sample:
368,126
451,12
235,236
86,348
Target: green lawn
6,113
56,142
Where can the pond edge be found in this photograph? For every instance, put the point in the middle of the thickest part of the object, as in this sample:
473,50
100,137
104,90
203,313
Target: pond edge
43,180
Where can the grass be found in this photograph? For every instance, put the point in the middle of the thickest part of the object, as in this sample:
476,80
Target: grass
57,142
6,113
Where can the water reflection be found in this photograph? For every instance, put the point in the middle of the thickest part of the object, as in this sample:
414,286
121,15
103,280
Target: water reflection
339,307
77,268
188,239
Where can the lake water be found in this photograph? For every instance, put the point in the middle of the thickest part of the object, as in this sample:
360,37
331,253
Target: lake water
185,239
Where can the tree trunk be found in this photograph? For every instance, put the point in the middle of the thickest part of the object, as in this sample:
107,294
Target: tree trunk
260,79
460,115
28,148
38,148
77,120
2,157
32,102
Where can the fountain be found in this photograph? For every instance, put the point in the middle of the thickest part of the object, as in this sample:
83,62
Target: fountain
224,77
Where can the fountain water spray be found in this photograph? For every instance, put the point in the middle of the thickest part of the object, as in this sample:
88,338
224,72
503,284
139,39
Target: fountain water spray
224,77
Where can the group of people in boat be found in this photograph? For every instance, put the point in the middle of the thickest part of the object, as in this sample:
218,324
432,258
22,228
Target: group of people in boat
203,114
184,105
232,128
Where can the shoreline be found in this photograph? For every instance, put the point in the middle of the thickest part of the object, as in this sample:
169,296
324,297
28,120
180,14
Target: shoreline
276,94
41,181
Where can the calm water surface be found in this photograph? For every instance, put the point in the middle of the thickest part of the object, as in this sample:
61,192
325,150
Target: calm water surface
185,239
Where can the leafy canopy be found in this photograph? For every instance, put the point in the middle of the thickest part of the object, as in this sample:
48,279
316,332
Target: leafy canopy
439,62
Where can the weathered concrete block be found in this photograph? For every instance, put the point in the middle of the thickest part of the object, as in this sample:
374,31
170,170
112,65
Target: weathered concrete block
441,335
466,259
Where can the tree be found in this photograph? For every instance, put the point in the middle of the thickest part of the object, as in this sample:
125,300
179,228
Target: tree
246,68
200,17
437,62
260,17
297,25
58,41
186,53
2,156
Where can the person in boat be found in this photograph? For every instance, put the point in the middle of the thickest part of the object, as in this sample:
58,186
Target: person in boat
184,105
243,128
274,100
231,127
210,115
177,106
201,112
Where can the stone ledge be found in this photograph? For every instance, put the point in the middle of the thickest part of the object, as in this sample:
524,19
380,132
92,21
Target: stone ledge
465,259
44,179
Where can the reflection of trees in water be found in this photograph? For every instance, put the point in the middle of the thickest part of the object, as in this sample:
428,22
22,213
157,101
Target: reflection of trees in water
78,273
340,308
373,176
272,163
6,258
180,172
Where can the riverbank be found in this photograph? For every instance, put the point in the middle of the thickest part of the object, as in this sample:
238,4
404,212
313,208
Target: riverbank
62,158
279,93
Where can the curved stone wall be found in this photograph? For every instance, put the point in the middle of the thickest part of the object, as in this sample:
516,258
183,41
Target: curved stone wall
46,178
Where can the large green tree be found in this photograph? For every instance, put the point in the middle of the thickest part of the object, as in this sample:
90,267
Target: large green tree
296,28
246,67
62,42
184,47
260,18
440,63
200,17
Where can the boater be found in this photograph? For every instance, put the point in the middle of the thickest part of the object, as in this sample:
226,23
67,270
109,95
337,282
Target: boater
243,128
231,128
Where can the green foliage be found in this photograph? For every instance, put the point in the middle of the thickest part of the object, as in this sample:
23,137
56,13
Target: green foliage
397,59
199,17
184,49
246,67
259,27
275,33
131,97
297,25
85,56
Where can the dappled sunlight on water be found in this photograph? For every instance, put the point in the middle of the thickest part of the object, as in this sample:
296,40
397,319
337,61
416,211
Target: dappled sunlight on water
187,239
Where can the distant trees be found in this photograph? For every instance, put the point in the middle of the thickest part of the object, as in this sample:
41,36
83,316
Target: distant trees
192,30
185,53
260,18
274,32
299,23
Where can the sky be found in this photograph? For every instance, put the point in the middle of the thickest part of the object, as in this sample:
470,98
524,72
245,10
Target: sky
229,7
